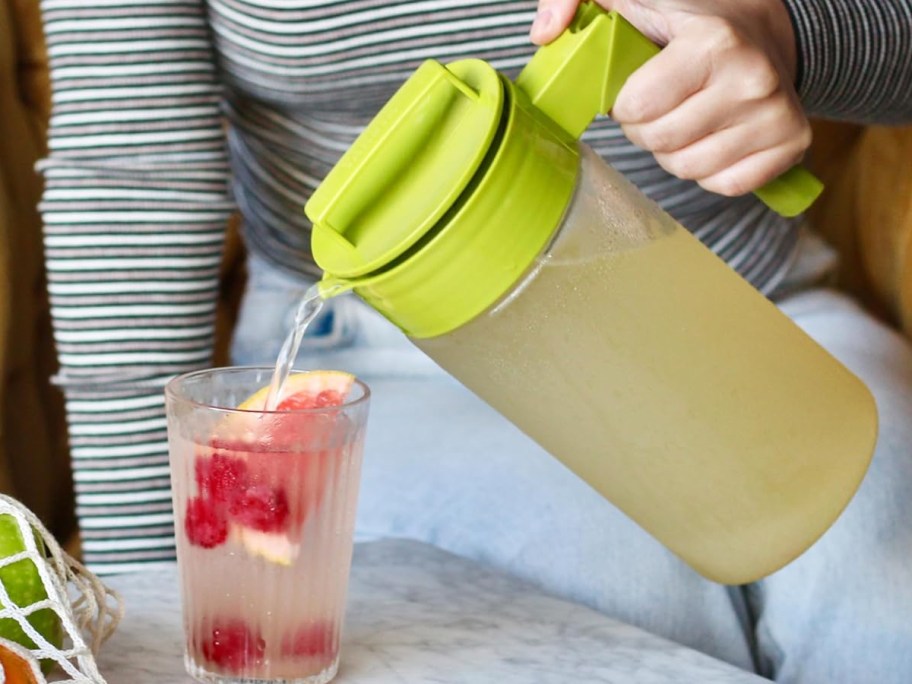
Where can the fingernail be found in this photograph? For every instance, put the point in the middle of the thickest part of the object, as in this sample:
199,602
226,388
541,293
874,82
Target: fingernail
542,21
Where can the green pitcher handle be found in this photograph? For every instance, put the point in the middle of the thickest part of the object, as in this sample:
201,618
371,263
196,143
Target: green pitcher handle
579,75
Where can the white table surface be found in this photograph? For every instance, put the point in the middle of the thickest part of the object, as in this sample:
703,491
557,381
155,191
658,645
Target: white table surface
419,615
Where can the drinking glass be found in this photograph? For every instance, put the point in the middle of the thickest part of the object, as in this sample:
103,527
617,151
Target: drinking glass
264,507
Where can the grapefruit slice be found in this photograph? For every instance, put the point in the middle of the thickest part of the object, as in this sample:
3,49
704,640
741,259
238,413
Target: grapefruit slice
287,458
260,432
313,389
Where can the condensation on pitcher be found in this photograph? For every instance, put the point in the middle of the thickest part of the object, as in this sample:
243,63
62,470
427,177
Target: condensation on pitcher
308,309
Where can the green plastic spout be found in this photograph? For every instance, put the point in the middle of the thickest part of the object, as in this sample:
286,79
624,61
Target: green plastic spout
579,75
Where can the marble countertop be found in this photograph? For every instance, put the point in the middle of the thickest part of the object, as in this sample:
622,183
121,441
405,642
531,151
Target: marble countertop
419,615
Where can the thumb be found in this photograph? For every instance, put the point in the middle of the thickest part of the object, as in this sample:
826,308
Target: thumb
554,16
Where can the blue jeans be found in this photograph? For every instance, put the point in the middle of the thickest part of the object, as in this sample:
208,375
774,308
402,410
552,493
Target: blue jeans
444,468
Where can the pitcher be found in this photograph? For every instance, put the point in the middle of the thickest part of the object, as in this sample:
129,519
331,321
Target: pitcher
470,216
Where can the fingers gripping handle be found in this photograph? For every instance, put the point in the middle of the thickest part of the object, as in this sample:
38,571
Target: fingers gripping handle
580,74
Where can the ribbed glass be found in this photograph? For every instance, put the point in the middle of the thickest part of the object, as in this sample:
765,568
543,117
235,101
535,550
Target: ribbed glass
264,511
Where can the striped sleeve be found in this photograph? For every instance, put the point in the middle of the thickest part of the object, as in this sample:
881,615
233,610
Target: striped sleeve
135,205
855,58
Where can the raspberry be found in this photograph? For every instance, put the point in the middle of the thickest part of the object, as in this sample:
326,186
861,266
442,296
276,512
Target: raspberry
232,646
261,507
205,524
316,639
221,478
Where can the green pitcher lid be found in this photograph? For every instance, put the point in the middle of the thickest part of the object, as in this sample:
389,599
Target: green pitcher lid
449,194
445,199
416,158
407,168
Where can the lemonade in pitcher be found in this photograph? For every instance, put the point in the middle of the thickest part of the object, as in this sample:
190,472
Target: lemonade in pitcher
616,350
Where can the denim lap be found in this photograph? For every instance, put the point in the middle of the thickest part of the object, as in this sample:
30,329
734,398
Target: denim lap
464,479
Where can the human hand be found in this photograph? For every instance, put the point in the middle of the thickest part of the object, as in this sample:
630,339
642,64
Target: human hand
717,105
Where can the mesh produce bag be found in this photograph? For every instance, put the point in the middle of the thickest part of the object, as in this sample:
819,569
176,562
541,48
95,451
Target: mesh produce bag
61,596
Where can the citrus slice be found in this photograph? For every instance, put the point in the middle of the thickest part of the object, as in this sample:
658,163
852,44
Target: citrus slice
285,457
261,432
313,389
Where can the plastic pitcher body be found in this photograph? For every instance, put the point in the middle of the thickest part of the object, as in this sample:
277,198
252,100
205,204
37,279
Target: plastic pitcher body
652,370
468,214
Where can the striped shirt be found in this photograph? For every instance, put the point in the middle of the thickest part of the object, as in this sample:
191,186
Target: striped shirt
143,172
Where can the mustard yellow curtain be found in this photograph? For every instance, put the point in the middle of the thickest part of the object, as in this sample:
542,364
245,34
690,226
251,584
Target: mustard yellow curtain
866,212
34,463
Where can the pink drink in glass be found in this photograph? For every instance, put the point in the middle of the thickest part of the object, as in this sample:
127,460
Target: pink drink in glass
264,516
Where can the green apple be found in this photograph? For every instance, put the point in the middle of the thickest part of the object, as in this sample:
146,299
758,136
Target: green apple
24,586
